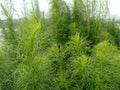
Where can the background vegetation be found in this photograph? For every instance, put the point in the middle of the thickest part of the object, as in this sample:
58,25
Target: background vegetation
76,47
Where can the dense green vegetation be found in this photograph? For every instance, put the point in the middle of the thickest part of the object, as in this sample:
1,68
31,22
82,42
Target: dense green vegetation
76,47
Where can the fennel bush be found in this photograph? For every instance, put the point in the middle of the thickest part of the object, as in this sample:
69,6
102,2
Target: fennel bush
73,47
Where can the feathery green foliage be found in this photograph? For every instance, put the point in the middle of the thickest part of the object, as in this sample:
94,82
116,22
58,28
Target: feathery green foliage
75,48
